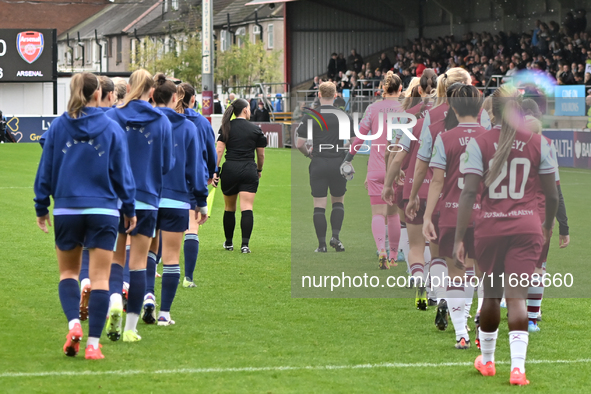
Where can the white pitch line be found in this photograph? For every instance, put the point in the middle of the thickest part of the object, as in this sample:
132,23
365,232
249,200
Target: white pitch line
16,187
274,369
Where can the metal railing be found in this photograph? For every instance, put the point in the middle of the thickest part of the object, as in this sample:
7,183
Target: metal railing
265,90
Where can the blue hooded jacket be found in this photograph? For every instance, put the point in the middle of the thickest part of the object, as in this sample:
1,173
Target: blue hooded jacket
151,150
186,176
85,164
207,138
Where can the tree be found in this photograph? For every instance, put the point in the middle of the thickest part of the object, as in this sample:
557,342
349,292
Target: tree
247,64
180,57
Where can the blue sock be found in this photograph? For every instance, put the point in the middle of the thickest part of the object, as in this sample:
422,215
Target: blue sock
98,307
151,273
116,279
126,267
170,282
191,253
70,298
137,289
84,267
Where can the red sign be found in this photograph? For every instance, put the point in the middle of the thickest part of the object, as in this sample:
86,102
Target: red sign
274,134
29,45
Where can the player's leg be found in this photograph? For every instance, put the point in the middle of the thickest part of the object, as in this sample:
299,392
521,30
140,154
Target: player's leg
394,231
455,300
337,216
378,229
138,277
246,218
100,238
69,293
416,258
171,251
320,225
522,258
229,220
98,305
536,290
191,249
148,310
85,286
491,253
338,187
126,274
116,288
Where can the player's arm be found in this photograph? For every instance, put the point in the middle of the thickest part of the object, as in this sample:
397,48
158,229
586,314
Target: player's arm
435,189
392,174
549,188
439,164
220,148
547,173
564,238
260,160
465,206
301,140
474,169
421,167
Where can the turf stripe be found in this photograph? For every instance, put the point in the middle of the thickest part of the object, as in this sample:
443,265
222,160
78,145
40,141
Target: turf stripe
274,369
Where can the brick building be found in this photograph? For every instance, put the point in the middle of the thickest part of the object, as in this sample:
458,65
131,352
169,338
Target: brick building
48,14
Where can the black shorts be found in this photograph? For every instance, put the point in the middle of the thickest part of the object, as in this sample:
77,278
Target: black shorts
325,173
90,231
146,223
173,220
239,176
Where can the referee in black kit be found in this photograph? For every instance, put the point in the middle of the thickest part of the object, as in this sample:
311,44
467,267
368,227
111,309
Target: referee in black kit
327,155
240,174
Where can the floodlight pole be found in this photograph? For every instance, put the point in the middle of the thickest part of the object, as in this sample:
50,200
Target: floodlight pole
207,80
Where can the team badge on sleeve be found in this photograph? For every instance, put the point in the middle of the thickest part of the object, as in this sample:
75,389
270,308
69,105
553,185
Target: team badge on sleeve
29,45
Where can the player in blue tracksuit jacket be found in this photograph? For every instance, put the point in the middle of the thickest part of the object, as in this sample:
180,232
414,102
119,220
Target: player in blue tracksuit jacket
85,166
151,151
185,104
106,103
184,180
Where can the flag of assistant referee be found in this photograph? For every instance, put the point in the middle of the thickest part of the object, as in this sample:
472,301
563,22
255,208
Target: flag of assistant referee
327,155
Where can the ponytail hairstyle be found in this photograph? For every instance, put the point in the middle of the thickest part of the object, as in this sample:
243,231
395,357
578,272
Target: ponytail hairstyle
120,87
507,110
107,86
392,83
451,120
140,83
413,97
428,81
185,93
82,87
235,108
448,78
164,89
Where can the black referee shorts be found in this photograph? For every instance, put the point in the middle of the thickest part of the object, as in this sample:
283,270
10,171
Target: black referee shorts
325,173
239,176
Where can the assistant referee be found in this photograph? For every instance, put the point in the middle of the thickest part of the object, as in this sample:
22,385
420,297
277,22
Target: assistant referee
326,156
239,175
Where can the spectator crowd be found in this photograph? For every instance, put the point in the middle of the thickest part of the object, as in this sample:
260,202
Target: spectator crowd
561,51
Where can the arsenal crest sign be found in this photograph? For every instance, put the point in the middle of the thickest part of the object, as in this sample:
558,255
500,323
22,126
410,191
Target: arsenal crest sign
28,55
29,45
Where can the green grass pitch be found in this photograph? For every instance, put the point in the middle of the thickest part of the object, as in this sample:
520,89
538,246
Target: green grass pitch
240,330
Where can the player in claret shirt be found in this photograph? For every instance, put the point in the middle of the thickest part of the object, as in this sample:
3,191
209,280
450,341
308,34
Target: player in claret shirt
510,159
448,155
402,163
